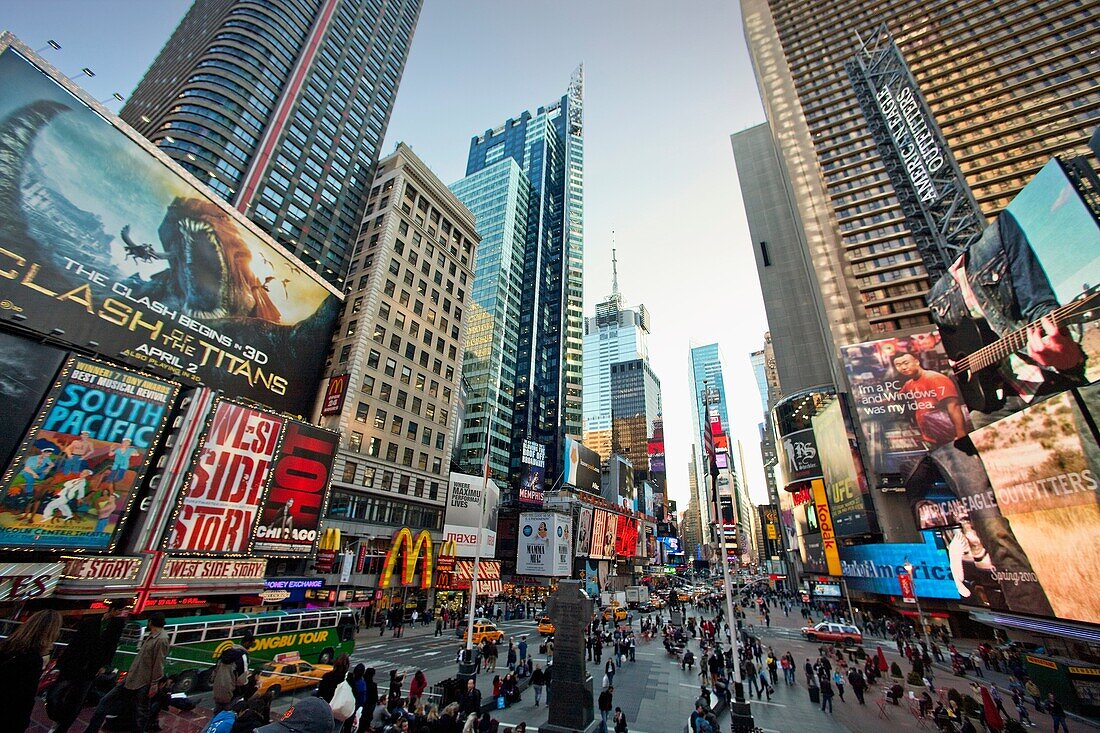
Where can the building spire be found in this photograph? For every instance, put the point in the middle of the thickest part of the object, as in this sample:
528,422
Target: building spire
614,268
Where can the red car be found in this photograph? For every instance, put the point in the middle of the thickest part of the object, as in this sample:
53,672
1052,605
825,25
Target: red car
833,632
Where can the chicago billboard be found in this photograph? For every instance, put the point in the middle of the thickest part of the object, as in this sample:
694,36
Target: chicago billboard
582,466
108,242
78,470
545,544
221,501
464,514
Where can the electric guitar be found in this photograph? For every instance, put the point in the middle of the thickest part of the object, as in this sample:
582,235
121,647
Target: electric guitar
983,389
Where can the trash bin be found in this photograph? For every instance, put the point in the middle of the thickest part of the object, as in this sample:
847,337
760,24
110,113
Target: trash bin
815,695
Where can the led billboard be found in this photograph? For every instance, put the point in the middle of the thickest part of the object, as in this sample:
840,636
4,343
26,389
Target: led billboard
465,502
107,245
843,480
532,473
626,536
582,466
875,568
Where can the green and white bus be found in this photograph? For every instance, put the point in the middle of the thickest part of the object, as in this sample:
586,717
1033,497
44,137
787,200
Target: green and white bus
318,635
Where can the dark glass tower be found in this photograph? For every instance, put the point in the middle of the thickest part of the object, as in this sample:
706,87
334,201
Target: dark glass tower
548,146
280,106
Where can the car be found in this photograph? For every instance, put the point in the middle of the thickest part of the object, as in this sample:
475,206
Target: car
647,607
545,626
827,631
289,672
683,597
614,612
484,629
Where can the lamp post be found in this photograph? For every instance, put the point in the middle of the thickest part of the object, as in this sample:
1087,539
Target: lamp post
467,669
916,597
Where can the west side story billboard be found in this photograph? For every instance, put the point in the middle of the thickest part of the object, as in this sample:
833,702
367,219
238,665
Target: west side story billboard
107,240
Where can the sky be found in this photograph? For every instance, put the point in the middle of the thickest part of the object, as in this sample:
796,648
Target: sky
666,83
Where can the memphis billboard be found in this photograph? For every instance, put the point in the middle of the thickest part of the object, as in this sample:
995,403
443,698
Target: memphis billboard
108,245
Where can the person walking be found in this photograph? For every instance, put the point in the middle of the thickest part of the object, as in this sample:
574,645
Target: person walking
826,693
1057,713
21,657
609,672
87,654
838,680
855,679
142,682
605,706
538,680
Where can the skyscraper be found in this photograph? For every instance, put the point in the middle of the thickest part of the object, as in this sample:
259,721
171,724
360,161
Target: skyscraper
499,196
1009,83
635,406
280,107
548,146
706,367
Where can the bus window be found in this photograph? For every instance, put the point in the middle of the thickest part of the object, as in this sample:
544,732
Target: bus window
213,633
240,628
185,635
311,622
268,626
288,624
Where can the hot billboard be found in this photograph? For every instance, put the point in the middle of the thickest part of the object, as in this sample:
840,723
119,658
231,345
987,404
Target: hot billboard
221,501
906,398
545,544
843,478
875,568
106,244
464,514
626,536
289,522
1017,312
77,472
582,466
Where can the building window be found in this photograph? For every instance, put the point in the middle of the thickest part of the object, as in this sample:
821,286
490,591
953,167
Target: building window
433,490
397,425
407,458
374,447
356,441
368,385
372,359
422,462
380,419
391,367
345,353
349,472
437,465
391,452
361,412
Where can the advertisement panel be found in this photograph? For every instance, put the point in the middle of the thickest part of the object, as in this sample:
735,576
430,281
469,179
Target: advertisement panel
107,238
544,545
603,535
582,466
826,590
800,449
24,581
464,513
1042,465
825,526
221,501
906,398
584,531
334,395
626,536
27,371
532,473
78,470
875,568
844,483
289,590
290,521
1037,268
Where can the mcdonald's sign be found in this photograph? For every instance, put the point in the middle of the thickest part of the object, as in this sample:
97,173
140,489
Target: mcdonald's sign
327,548
421,550
445,563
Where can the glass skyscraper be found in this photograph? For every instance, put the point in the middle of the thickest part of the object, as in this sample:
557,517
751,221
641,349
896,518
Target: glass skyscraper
280,107
499,196
548,146
706,366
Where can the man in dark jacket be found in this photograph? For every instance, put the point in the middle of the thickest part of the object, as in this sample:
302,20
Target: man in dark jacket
471,699
605,705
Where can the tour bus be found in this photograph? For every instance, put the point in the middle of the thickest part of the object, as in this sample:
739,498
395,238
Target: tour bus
317,635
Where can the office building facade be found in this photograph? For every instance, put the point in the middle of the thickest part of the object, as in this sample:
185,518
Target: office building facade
548,146
1009,83
499,196
635,408
706,371
399,347
281,108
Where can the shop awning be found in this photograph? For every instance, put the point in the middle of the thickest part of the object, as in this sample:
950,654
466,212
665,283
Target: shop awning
488,577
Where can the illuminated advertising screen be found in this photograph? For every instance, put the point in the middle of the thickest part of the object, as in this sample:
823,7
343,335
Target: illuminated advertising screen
907,399
27,371
802,461
106,241
875,568
626,536
289,523
465,513
582,466
1036,266
843,481
603,534
222,498
584,531
533,471
79,468
826,590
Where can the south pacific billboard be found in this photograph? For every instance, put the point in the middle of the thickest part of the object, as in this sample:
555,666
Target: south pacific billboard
78,470
106,245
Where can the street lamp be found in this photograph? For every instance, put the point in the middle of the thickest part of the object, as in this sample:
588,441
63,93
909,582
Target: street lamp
467,669
913,581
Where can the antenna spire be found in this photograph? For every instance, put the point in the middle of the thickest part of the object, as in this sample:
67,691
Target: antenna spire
614,267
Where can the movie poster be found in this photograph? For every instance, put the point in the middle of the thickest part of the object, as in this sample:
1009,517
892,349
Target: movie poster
222,499
80,467
290,521
1043,464
27,371
102,238
906,398
1018,311
584,531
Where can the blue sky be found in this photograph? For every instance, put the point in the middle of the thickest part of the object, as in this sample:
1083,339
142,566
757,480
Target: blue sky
666,84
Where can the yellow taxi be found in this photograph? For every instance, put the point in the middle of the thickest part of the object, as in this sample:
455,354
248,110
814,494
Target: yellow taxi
289,672
614,612
545,626
484,629
683,597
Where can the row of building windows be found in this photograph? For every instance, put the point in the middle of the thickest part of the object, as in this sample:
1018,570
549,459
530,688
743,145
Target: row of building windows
386,511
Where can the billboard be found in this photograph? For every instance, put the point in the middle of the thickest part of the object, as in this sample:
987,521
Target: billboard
221,501
1042,464
603,535
545,544
844,483
79,468
290,520
1017,312
464,514
106,244
906,398
27,371
582,466
875,568
800,449
626,536
584,531
532,473
826,590
335,392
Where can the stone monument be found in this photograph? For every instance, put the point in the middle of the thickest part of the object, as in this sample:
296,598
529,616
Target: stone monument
571,709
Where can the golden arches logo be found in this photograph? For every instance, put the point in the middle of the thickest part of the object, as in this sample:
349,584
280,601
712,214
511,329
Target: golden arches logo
223,647
421,550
